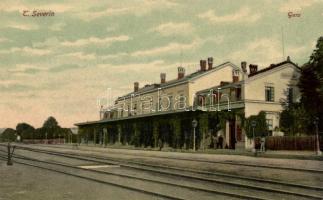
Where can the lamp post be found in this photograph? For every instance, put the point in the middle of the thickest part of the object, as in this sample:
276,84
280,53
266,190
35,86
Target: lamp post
316,123
253,124
11,149
194,125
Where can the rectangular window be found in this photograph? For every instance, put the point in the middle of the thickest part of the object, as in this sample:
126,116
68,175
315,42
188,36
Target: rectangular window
269,93
135,109
201,100
159,104
269,123
238,94
181,101
170,103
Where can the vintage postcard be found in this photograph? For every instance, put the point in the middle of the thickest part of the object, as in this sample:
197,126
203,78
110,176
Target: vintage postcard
161,99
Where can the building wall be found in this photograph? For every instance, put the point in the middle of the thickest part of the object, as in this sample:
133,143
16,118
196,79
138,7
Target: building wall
254,92
280,78
187,90
171,93
209,80
272,110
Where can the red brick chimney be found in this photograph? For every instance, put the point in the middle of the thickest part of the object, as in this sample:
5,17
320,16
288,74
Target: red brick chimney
162,77
136,86
203,65
181,72
253,68
210,63
235,76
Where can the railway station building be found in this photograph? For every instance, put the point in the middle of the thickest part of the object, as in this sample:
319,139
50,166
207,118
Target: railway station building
217,97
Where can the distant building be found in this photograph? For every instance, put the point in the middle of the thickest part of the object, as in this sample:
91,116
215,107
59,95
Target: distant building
167,108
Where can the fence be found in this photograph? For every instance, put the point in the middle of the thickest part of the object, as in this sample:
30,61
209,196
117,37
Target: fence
292,143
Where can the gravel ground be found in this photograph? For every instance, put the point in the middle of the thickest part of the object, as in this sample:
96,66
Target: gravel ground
28,183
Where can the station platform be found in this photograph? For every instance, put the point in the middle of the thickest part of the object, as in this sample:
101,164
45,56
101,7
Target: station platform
199,154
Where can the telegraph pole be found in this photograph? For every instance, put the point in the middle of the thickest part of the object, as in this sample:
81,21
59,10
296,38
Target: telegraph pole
283,42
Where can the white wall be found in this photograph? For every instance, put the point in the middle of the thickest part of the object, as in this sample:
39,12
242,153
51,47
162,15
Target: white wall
254,92
211,80
280,78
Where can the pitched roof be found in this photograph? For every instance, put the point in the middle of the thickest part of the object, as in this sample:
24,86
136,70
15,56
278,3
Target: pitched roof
214,88
185,79
238,84
273,66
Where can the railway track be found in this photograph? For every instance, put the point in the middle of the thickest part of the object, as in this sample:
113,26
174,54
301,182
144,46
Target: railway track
210,161
235,183
102,176
23,162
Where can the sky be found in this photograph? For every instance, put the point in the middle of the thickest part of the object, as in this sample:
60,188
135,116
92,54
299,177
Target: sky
61,65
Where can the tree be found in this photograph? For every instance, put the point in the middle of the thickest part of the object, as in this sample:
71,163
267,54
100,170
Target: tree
51,127
294,120
261,125
39,133
25,130
9,135
50,123
311,83
67,134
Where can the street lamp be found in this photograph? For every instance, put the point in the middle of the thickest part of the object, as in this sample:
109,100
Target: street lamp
316,123
11,149
194,125
253,124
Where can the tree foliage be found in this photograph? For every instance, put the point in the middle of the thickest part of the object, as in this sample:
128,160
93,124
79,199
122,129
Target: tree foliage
50,123
25,130
311,83
294,120
9,135
49,130
261,125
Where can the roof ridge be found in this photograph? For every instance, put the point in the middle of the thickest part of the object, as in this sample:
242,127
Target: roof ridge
185,78
272,66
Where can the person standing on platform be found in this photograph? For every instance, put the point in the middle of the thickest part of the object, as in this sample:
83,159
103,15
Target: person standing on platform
262,143
220,142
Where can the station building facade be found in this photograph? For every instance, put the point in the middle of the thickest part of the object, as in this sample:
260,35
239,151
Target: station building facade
218,97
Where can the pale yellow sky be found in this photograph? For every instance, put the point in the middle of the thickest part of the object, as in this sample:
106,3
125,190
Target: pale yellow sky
60,65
